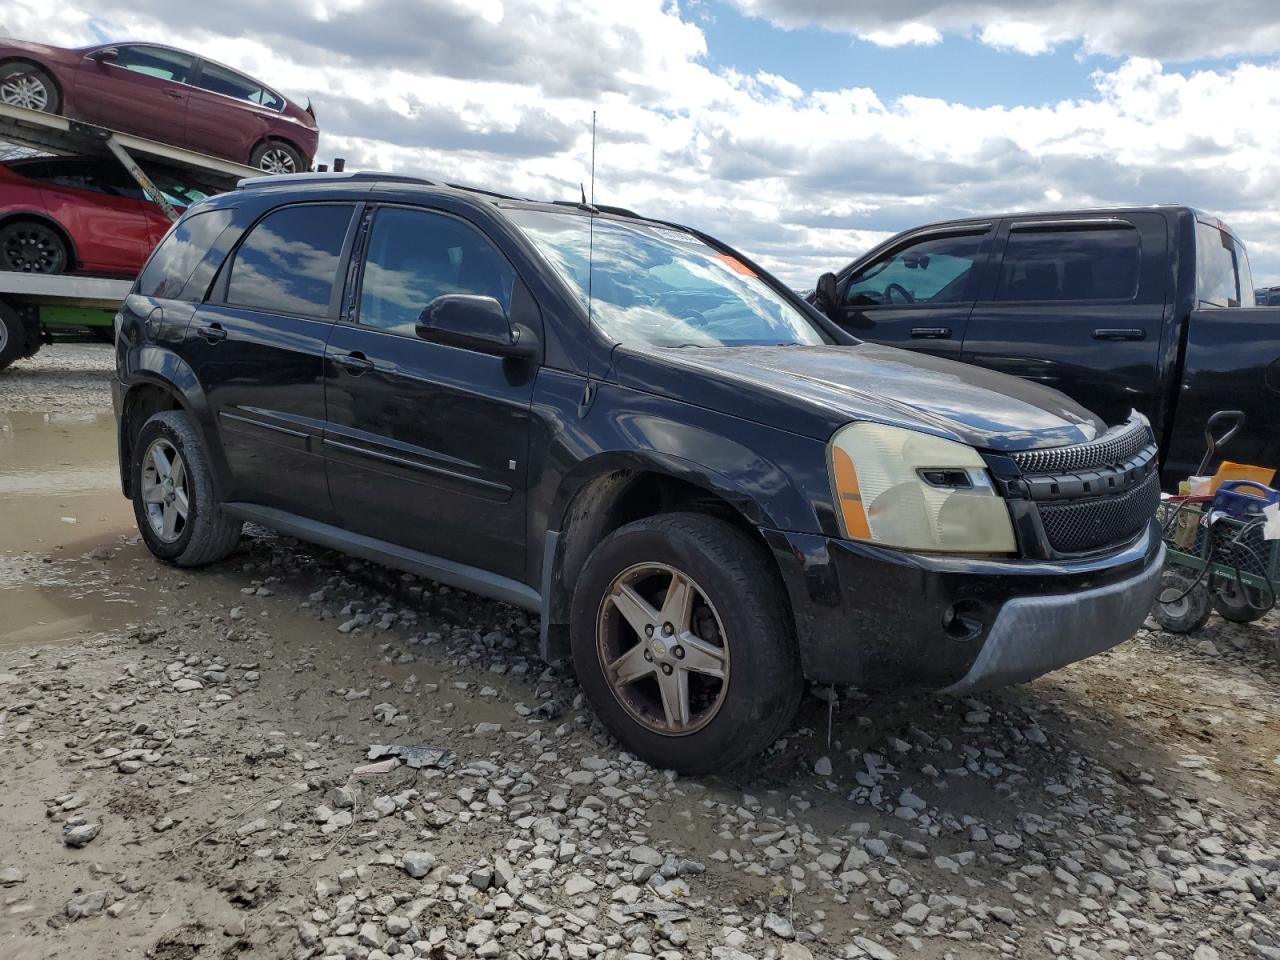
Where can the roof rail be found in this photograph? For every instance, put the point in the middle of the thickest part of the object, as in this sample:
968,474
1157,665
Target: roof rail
603,208
345,176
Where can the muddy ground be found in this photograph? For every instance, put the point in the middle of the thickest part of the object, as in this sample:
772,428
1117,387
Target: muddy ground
177,748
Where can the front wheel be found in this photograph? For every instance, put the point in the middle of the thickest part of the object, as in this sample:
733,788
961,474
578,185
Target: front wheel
683,641
26,85
178,514
28,246
1183,605
276,156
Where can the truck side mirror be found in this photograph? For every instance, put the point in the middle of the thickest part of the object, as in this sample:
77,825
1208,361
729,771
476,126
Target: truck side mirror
825,295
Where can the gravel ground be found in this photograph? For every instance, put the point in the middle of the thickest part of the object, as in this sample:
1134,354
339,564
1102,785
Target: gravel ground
178,752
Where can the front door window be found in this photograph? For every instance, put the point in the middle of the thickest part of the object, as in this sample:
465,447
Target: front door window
936,270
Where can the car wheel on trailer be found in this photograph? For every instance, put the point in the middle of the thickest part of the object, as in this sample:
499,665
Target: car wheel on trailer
683,642
178,513
1183,605
276,156
28,246
26,85
1239,603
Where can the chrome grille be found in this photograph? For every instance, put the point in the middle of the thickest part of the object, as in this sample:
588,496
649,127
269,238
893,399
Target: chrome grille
1115,446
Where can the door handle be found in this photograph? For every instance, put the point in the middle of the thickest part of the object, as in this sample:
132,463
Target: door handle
355,363
930,333
1119,333
174,94
214,332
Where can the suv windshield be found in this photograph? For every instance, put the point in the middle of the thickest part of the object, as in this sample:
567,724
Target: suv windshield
664,287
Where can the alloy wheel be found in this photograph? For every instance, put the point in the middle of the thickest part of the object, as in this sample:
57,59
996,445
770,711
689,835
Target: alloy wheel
25,90
164,490
32,248
663,649
277,160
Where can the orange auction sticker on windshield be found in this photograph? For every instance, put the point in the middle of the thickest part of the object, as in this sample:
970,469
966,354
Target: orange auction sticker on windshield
736,265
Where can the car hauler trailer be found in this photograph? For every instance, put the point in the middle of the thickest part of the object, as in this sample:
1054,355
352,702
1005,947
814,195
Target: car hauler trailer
32,303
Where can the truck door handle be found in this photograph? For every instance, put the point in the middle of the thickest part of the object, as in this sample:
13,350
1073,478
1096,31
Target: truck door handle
1119,333
214,332
355,363
930,333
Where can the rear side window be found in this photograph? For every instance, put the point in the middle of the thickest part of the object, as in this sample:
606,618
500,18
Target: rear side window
177,257
1088,264
1223,278
415,256
231,84
289,262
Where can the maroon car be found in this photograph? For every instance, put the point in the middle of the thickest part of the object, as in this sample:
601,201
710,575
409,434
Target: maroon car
163,94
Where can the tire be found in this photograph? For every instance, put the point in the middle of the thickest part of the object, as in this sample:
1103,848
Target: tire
276,156
24,84
12,335
1178,613
29,246
204,534
738,621
1236,605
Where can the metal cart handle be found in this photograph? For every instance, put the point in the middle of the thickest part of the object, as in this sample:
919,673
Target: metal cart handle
1212,443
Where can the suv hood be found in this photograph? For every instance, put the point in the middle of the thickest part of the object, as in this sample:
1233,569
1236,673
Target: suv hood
815,390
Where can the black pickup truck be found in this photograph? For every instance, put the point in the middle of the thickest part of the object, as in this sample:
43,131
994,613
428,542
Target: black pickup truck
1148,308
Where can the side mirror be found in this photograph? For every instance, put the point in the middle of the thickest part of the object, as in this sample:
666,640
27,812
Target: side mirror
476,323
105,54
825,294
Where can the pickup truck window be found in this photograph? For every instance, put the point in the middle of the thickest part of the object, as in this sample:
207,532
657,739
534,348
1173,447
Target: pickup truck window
662,286
1074,264
935,270
1223,278
415,256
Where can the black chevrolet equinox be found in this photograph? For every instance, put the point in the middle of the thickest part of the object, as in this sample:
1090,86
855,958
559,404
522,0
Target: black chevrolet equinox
706,490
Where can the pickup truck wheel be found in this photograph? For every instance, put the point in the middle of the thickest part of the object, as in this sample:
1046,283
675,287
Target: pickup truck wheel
24,84
1181,607
683,642
1239,604
178,515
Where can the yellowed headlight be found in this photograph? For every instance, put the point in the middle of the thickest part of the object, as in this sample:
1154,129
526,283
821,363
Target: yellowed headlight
876,472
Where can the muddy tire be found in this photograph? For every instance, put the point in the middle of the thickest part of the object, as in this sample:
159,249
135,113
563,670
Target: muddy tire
1237,604
1180,607
12,335
683,641
174,502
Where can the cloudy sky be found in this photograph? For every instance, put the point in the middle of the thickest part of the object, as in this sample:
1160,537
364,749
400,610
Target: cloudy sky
803,131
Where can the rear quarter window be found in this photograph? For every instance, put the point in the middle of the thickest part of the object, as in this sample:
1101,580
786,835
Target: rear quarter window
1223,278
170,267
1070,264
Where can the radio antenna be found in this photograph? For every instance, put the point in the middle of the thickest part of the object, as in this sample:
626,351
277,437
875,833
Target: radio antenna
590,208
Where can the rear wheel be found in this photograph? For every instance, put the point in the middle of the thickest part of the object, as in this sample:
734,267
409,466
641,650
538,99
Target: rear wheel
1237,603
276,156
26,85
28,246
178,514
683,641
11,335
1181,607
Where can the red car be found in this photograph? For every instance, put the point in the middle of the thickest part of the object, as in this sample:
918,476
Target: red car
71,214
163,94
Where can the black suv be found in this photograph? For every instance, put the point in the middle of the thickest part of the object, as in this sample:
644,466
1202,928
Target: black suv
706,489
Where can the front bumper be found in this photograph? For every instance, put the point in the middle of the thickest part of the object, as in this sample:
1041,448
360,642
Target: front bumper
882,618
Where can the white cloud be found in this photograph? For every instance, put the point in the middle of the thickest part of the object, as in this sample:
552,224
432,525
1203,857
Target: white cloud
1164,29
904,34
500,95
